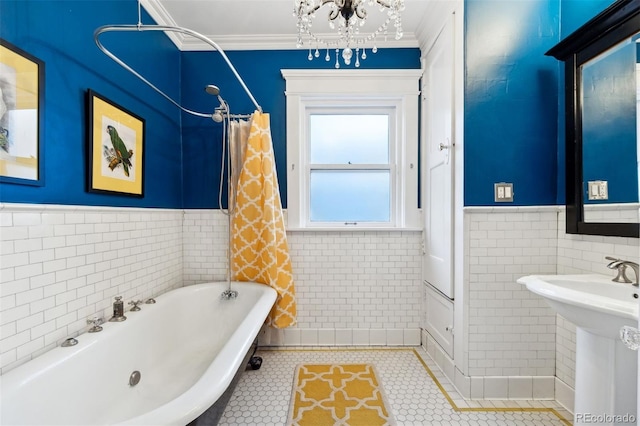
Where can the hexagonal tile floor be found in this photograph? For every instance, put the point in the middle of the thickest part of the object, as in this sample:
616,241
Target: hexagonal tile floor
418,392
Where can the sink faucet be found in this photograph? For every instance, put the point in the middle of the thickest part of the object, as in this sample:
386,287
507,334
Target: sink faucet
621,267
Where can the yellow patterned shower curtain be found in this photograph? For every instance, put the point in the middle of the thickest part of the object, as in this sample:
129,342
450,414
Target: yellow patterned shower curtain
259,249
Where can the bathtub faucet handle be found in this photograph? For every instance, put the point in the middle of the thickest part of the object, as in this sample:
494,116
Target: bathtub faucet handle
95,324
135,304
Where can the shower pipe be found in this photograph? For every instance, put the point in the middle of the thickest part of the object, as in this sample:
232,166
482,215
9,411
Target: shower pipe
140,27
220,114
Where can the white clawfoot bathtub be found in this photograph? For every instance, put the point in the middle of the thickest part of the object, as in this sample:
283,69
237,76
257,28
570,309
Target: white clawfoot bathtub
187,348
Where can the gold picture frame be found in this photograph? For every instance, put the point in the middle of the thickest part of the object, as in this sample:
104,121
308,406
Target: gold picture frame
21,116
115,148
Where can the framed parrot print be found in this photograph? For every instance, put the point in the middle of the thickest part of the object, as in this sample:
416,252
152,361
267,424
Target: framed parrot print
21,116
116,148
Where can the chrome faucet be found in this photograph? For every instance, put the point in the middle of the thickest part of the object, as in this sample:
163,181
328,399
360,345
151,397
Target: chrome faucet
621,267
95,323
118,310
135,304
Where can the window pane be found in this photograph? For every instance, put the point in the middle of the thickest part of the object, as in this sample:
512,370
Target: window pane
344,139
350,196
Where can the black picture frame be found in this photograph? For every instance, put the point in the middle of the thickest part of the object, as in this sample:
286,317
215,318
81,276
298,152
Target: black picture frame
115,148
22,88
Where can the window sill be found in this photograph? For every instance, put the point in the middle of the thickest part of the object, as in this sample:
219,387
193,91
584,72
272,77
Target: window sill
360,229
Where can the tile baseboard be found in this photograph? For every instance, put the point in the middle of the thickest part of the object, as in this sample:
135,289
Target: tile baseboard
338,337
493,387
565,395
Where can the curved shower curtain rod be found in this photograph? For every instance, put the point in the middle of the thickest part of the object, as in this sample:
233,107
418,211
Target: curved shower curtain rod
140,27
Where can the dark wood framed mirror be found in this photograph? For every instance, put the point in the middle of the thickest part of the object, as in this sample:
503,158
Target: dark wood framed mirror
602,100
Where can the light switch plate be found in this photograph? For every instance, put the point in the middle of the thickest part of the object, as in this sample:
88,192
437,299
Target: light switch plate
598,190
503,192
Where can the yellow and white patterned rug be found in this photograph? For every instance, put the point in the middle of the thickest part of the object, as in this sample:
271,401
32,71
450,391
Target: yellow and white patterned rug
338,395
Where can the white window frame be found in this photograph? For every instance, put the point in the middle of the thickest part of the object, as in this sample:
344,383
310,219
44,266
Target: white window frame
395,91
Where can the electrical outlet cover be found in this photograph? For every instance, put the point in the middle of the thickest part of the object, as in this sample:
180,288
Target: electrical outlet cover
503,192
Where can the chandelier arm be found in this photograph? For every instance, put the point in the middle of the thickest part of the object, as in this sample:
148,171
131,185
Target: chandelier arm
383,3
333,14
318,6
301,9
322,3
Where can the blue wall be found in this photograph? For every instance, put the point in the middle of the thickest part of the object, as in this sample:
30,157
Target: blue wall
511,105
261,72
61,34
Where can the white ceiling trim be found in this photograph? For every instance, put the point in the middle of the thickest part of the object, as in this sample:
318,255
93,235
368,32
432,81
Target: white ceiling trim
277,42
252,41
162,17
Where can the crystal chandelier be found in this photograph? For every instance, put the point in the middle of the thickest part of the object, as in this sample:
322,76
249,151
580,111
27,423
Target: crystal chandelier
348,16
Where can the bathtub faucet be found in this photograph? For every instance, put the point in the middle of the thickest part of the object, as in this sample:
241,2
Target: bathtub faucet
135,304
95,324
118,310
621,267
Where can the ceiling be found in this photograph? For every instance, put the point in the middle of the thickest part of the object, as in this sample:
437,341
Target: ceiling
265,24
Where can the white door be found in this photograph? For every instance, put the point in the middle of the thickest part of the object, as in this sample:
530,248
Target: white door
437,112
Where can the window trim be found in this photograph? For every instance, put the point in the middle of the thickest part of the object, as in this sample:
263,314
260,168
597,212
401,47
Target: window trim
387,89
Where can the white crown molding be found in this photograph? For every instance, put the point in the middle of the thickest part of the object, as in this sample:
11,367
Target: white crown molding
432,23
422,32
253,41
162,17
280,42
242,42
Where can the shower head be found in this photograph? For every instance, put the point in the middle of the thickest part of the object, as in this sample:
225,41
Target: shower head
217,116
212,90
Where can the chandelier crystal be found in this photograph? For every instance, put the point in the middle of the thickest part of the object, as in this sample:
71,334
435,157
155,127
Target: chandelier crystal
348,16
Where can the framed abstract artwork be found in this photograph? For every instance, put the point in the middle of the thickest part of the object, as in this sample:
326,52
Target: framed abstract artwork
21,116
115,152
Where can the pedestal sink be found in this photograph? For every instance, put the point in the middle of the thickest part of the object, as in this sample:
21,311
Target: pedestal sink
606,371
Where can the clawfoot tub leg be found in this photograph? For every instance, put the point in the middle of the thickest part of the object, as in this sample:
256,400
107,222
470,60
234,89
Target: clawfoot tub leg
255,362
